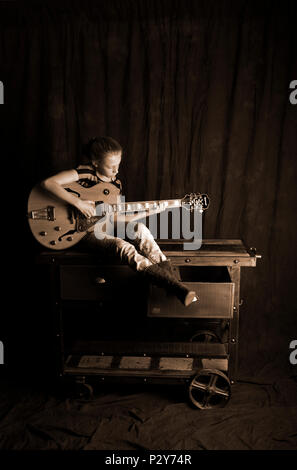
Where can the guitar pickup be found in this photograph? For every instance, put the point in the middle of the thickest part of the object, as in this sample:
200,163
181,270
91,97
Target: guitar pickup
46,213
84,223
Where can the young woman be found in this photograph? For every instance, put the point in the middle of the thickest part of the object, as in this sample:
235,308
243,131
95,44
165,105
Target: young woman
142,253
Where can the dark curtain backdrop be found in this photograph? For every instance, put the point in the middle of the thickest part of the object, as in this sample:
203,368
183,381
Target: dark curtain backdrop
197,92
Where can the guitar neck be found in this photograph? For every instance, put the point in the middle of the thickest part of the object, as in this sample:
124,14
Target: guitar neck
140,206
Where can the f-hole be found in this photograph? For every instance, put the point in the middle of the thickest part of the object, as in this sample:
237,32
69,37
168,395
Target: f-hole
72,191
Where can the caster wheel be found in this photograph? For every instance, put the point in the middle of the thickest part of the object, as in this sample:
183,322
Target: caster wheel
206,336
210,388
83,391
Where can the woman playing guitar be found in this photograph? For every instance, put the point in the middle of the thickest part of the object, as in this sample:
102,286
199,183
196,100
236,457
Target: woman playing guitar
142,253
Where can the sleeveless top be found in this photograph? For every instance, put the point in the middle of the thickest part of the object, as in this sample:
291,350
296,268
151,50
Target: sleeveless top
84,173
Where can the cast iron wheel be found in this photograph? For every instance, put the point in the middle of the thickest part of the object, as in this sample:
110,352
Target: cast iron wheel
206,336
210,388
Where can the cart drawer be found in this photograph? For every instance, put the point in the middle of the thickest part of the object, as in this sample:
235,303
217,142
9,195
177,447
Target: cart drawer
216,300
80,282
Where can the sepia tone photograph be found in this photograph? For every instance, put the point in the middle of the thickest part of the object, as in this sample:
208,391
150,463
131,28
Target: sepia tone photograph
149,303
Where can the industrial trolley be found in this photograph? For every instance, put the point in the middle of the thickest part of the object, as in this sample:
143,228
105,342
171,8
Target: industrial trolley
111,325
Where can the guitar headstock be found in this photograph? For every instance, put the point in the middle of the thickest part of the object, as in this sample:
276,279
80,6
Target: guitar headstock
196,201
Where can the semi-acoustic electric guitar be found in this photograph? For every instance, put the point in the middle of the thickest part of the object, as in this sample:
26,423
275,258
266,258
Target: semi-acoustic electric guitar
58,225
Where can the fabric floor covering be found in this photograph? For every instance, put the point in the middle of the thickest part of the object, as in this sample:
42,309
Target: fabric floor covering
261,415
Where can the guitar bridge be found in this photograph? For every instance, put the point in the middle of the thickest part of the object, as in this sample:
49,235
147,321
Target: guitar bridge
46,213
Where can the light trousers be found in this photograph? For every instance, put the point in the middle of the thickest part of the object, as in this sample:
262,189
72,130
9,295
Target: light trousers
139,252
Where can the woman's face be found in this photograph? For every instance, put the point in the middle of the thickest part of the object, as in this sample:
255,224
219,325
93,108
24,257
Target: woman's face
109,167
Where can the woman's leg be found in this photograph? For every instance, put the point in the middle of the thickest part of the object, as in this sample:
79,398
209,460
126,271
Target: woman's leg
154,264
146,245
160,272
122,249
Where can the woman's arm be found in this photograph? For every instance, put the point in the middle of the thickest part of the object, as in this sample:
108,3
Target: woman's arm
54,184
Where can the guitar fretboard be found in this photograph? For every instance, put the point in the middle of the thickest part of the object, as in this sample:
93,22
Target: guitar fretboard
140,206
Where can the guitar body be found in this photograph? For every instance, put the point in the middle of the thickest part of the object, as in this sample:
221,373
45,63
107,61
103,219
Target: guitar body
58,225
54,223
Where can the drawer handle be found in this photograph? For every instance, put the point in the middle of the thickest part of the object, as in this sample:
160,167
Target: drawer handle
187,260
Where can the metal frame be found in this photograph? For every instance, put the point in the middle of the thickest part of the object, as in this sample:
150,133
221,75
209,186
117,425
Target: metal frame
232,260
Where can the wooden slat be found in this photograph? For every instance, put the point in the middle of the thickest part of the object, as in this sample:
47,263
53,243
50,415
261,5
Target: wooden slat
166,367
206,250
124,373
206,241
212,253
148,348
181,260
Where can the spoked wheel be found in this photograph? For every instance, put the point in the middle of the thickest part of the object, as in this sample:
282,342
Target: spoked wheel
206,336
210,388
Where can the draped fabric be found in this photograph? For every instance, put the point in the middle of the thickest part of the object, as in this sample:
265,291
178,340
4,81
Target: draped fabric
197,93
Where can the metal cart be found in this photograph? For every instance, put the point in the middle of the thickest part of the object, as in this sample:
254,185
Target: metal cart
110,325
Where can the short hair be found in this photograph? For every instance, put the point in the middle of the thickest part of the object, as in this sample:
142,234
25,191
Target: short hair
98,148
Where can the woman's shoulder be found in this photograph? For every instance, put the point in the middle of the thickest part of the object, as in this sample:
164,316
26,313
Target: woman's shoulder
118,181
86,169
